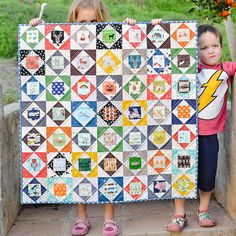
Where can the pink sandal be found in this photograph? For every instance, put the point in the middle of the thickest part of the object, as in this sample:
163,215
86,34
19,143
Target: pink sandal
206,219
110,228
81,227
177,223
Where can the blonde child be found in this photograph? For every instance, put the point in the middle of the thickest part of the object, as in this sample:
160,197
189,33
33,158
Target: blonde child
214,76
83,11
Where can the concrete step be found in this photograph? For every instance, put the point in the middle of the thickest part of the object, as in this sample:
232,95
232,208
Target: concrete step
134,219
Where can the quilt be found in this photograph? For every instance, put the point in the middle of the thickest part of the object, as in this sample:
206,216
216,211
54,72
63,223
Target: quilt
108,112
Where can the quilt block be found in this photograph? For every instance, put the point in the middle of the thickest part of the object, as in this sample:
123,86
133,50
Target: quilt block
108,112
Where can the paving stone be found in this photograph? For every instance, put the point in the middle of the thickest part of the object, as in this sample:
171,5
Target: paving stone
134,219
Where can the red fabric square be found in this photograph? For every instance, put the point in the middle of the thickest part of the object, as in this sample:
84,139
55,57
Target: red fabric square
32,62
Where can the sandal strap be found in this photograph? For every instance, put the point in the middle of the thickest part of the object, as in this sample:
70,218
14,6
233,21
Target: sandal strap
86,223
112,222
178,219
205,215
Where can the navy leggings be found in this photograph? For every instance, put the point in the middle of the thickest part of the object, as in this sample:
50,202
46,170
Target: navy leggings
207,162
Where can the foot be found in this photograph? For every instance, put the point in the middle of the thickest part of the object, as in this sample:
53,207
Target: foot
110,228
81,227
177,223
206,219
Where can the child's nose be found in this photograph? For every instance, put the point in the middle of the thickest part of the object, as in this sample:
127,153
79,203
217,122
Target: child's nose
211,49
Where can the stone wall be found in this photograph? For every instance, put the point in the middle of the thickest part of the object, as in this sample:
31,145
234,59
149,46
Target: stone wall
225,191
9,168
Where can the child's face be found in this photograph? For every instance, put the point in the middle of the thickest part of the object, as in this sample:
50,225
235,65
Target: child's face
86,15
210,49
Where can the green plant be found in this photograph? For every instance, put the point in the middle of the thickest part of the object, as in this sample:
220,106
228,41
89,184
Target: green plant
11,96
214,10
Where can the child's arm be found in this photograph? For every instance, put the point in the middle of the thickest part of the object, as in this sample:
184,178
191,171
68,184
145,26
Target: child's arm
38,20
230,68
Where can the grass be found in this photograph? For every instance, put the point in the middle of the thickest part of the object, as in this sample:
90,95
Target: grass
148,9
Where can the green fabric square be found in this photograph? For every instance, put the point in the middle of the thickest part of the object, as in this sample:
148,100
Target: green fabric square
109,36
135,163
85,164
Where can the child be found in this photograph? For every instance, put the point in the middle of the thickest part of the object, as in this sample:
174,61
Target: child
214,80
83,11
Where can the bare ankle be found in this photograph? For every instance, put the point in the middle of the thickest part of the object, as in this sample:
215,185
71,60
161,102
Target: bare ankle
83,217
109,218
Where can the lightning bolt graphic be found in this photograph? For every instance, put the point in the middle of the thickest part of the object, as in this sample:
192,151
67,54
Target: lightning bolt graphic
211,86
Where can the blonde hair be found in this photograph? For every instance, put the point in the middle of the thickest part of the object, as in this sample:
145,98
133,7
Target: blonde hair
97,5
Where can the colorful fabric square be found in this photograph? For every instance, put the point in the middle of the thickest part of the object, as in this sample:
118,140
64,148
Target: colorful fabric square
109,36
108,112
32,62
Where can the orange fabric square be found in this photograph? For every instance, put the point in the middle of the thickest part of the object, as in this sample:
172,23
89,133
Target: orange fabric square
183,111
67,148
60,190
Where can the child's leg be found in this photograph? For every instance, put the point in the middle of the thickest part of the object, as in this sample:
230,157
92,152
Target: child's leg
205,218
82,211
207,166
82,225
110,228
109,211
179,207
179,219
205,198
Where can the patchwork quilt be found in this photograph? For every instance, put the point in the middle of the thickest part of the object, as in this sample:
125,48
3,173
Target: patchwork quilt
108,112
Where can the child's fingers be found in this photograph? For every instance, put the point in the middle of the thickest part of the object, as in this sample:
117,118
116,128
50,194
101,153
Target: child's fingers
35,22
156,21
130,21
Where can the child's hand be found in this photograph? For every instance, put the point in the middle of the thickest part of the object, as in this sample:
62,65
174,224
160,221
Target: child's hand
130,21
35,22
156,21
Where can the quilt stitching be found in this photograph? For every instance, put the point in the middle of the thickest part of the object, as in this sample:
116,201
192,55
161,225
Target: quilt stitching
108,112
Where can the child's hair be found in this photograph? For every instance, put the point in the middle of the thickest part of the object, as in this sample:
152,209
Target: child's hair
209,28
97,5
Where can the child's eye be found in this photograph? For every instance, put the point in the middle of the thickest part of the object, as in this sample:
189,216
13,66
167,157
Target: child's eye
203,48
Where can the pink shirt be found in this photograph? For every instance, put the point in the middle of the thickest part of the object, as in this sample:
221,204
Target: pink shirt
213,84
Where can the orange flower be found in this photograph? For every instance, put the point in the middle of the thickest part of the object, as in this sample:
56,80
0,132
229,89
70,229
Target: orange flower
225,13
229,2
233,4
